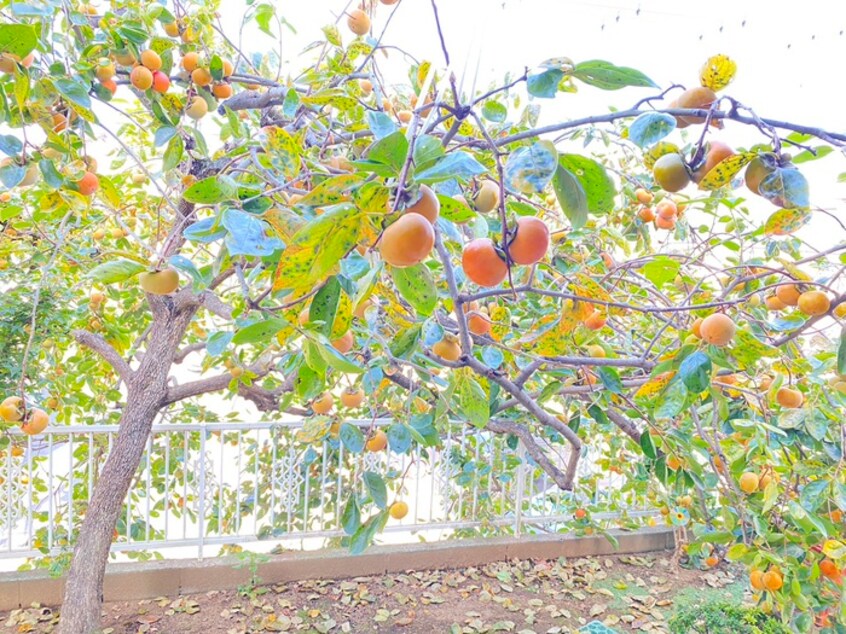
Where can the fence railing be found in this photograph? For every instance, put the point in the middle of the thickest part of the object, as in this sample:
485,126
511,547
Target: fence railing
207,484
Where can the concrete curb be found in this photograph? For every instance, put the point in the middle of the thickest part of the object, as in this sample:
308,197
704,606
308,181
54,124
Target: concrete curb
136,581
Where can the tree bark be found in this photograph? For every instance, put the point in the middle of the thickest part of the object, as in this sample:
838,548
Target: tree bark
146,392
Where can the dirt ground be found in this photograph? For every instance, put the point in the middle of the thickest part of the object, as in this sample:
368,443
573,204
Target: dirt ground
627,593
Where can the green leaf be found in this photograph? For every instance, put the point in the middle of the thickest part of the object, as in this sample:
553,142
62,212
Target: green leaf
212,190
115,271
471,399
391,151
427,150
417,287
351,517
647,445
597,414
785,187
597,184
571,196
364,536
607,76
18,39
670,403
337,360
455,210
73,91
405,341
11,175
163,135
217,342
529,169
651,127
495,111
819,152
248,235
695,372
173,153
457,164
661,270
351,437
399,438
736,552
813,494
264,14
376,488
259,332
324,306
841,352
10,145
381,125
610,379
51,175
545,84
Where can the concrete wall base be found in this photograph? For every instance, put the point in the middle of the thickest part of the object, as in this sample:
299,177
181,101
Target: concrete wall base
136,581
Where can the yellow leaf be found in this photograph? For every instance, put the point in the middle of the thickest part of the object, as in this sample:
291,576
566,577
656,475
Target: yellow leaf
722,173
654,386
284,222
285,151
834,549
657,151
333,190
717,72
795,271
787,221
343,316
314,429
500,323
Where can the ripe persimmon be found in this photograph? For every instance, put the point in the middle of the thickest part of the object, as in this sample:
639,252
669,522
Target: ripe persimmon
151,60
595,321
774,303
358,22
408,241
773,580
695,98
344,343
191,61
427,205
665,223
479,323
88,184
813,303
717,329
788,294
756,579
716,154
201,77
643,197
404,116
829,569
352,397
35,422
398,510
646,214
377,441
667,209
161,82
12,409
695,328
323,403
141,77
482,264
789,398
447,348
530,242
749,482
222,91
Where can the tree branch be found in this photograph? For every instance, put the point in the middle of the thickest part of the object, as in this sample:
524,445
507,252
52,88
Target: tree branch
102,347
502,426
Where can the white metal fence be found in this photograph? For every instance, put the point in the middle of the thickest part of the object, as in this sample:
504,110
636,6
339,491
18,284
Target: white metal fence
208,484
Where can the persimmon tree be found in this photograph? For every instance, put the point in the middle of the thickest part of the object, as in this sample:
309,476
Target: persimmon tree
331,244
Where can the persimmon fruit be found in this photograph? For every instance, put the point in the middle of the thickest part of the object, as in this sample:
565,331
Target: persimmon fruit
670,172
162,282
530,242
427,205
482,264
813,303
408,241
717,329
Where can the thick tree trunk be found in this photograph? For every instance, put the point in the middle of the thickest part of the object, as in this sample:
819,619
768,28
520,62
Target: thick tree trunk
146,395
80,613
